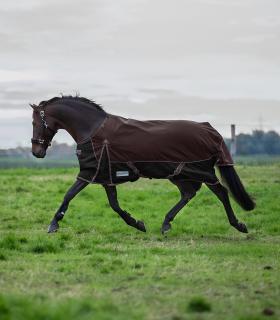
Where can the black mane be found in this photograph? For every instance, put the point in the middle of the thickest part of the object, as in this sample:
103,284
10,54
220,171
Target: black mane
72,98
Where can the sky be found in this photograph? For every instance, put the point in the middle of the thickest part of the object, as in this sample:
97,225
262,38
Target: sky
202,60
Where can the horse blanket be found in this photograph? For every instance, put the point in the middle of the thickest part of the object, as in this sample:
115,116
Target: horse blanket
123,150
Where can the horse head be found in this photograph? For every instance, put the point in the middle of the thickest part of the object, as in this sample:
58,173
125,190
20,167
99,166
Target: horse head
43,131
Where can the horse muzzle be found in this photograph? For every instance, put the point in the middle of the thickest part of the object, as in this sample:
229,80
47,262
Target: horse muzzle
39,154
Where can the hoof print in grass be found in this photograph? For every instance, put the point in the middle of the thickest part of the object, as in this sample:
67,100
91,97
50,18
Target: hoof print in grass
268,312
258,292
199,304
177,318
267,267
2,257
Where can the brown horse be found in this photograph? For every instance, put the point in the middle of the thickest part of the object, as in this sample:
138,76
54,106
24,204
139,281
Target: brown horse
113,150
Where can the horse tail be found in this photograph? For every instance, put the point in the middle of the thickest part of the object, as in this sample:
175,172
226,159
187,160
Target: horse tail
235,186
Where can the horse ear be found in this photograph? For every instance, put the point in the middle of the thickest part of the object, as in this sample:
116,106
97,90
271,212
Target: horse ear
33,106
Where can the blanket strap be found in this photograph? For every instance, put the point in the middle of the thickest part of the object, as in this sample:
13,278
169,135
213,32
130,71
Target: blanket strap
177,170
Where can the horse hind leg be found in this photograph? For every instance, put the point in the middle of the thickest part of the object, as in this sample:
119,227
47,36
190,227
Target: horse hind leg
188,191
222,194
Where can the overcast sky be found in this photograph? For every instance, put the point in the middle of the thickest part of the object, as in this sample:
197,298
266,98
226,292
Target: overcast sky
213,60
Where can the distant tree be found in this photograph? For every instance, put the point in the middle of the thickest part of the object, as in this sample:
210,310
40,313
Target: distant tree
272,142
244,144
259,142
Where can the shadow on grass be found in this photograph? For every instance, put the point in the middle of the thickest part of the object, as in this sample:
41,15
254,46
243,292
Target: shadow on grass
16,307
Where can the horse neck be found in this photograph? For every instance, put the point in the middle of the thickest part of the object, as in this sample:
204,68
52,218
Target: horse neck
80,120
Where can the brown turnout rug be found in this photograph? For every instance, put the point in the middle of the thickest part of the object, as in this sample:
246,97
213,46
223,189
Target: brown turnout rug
125,149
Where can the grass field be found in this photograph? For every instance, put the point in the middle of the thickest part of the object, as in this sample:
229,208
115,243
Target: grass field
96,267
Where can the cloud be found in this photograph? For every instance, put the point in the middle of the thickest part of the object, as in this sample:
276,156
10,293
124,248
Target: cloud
16,114
22,76
255,39
116,51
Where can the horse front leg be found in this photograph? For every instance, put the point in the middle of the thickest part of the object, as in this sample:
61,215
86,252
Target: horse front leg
71,193
111,192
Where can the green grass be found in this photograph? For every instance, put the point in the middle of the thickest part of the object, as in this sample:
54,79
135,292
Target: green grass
17,162
96,267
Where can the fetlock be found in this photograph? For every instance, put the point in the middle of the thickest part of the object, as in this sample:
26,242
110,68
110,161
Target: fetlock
166,226
130,220
59,216
234,223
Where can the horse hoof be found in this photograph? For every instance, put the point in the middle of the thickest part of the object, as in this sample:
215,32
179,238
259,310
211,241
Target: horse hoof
242,227
165,227
141,226
53,227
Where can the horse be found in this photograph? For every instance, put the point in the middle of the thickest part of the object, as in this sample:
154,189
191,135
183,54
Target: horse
113,150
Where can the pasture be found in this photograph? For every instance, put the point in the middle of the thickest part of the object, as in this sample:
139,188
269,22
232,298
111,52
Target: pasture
96,267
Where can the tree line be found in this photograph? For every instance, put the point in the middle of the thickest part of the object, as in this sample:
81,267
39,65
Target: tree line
259,142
